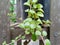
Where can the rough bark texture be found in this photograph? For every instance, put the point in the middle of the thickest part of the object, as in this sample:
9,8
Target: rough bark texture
55,26
4,22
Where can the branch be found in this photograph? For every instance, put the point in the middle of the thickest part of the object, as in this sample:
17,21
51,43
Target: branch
42,40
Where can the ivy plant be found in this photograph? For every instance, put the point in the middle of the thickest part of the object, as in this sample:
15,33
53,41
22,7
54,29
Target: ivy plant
12,14
33,23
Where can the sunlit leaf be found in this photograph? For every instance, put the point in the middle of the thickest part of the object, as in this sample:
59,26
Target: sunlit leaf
35,6
32,11
28,20
4,43
27,10
34,1
40,14
39,6
32,26
23,37
12,1
44,33
38,33
41,10
39,21
47,42
27,3
48,22
21,25
27,32
27,25
39,27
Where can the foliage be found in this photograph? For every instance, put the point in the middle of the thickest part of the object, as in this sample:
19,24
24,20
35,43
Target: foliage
33,23
12,14
13,41
47,42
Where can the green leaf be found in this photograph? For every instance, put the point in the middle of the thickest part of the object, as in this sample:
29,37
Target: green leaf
41,10
32,31
11,8
4,43
32,26
28,20
17,37
39,21
12,1
44,33
13,41
39,27
21,25
34,37
34,6
34,1
33,22
38,33
39,6
27,25
40,14
32,11
47,42
27,10
48,22
23,37
27,4
27,32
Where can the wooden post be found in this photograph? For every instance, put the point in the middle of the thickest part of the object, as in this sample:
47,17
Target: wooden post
4,21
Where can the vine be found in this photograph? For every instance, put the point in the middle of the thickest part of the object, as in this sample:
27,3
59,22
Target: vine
32,24
12,14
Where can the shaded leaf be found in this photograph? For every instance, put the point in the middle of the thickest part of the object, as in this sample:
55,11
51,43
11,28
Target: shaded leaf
34,37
